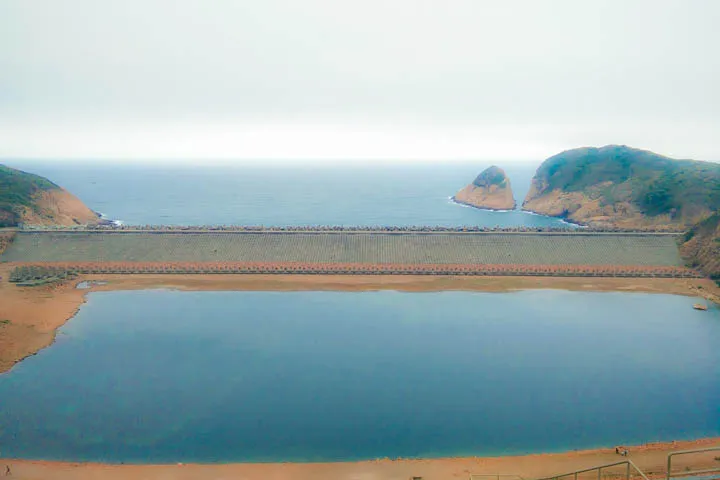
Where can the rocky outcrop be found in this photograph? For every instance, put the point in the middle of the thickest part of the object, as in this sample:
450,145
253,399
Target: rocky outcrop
31,199
5,239
491,190
619,186
701,246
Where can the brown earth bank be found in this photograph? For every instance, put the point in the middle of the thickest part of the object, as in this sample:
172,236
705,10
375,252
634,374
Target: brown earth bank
58,207
29,316
650,458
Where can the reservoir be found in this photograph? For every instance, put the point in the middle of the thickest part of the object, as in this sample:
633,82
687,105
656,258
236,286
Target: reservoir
160,376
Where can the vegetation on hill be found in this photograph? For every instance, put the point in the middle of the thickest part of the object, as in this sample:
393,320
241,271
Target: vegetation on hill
490,176
17,190
701,246
35,200
626,184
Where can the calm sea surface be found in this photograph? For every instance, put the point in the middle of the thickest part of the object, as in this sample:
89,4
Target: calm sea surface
285,195
166,376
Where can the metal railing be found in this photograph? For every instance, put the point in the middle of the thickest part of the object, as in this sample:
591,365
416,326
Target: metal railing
684,473
629,465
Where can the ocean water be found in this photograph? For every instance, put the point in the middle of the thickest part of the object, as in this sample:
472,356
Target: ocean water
166,376
392,194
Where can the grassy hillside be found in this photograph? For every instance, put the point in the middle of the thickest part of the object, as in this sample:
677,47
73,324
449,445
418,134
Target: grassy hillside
701,246
18,189
642,182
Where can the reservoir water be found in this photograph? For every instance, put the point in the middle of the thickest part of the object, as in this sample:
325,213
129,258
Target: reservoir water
392,194
168,376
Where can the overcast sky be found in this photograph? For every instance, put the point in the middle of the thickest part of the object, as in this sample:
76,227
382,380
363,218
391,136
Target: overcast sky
405,79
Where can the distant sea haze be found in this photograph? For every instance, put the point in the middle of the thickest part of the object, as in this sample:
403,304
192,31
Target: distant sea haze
286,195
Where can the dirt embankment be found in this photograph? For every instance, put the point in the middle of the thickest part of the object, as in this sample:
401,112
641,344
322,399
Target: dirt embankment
58,207
650,458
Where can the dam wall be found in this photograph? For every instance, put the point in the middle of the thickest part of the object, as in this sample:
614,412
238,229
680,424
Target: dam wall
349,248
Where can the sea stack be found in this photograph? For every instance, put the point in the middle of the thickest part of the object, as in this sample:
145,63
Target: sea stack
491,190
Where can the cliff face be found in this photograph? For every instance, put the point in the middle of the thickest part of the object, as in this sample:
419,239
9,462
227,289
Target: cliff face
32,199
701,246
624,187
490,190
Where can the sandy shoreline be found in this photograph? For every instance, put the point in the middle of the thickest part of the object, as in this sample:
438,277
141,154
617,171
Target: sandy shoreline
29,316
651,458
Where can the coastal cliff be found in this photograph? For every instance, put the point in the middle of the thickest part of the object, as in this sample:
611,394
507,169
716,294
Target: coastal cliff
490,190
32,199
620,186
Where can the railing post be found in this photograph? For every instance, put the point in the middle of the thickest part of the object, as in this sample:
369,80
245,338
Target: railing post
669,465
599,473
627,471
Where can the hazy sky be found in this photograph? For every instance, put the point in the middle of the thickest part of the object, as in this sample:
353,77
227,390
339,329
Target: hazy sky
413,79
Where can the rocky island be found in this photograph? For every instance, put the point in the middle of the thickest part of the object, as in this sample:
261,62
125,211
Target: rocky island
32,199
490,190
620,186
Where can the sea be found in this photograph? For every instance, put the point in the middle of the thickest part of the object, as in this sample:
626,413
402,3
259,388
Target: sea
353,194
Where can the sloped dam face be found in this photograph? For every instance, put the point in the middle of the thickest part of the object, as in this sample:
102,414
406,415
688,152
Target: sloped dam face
570,248
168,376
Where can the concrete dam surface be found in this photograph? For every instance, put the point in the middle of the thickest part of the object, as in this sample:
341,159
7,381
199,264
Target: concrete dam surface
591,249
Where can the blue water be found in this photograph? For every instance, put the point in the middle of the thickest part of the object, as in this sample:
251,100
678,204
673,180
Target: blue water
165,376
285,195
